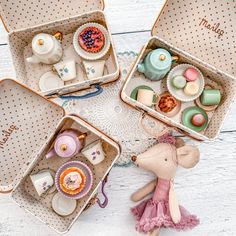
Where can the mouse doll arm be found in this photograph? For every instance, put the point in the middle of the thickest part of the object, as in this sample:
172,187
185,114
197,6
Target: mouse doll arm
144,191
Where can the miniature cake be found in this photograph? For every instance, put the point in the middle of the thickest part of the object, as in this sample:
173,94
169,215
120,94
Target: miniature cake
91,39
167,103
191,74
72,180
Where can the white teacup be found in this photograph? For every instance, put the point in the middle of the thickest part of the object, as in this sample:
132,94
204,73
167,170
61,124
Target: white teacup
42,181
145,97
94,152
66,70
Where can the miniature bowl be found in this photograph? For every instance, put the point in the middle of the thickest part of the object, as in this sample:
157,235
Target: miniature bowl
179,93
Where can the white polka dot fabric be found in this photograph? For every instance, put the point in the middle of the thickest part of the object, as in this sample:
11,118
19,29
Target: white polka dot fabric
24,14
205,29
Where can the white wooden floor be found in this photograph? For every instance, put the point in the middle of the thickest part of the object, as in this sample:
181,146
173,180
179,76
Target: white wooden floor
209,190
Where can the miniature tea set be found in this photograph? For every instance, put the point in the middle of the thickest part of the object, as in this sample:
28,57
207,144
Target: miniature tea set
90,42
184,82
74,179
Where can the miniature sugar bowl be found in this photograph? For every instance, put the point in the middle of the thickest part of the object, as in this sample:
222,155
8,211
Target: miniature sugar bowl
46,48
67,144
157,64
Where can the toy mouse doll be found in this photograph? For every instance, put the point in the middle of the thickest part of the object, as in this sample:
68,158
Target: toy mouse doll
163,210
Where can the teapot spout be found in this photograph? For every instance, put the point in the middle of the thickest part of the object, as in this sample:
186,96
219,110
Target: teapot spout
141,68
175,58
33,59
58,35
50,154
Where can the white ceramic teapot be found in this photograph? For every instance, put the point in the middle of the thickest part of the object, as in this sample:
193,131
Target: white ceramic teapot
46,48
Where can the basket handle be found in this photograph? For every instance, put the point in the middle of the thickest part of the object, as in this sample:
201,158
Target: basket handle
105,202
98,91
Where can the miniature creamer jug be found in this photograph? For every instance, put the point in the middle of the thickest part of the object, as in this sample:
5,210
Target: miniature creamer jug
67,144
157,64
46,48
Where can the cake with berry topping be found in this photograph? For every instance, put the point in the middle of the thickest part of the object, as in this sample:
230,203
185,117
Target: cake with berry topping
91,39
72,180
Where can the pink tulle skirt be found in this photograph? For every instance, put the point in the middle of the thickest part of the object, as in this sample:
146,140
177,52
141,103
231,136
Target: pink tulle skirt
152,215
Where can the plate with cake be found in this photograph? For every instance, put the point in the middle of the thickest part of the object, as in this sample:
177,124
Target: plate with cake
74,179
91,41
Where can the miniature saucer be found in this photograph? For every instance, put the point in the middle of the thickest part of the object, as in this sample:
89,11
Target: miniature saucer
206,108
187,115
49,81
88,55
88,175
174,111
63,206
179,93
134,93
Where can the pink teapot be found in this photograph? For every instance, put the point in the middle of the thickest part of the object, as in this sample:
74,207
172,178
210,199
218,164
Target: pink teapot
67,144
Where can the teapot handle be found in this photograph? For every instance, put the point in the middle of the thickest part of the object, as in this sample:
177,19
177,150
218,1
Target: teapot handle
98,91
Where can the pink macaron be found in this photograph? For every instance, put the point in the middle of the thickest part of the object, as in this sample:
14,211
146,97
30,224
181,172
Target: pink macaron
191,74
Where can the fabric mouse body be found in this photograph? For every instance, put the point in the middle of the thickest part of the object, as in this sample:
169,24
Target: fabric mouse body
163,210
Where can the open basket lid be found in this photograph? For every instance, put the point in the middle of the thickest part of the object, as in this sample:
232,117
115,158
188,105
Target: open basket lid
27,121
205,29
28,13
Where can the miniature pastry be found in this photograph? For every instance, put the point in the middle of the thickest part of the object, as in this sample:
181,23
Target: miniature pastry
91,39
191,88
72,180
192,121
191,74
63,206
179,81
198,120
210,97
167,103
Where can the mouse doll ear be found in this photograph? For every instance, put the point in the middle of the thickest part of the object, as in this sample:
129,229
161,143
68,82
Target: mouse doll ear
188,156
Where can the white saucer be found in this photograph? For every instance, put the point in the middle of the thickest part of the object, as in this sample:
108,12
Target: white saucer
63,206
49,81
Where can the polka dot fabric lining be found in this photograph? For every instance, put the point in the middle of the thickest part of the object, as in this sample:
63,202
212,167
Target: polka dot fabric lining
35,120
24,14
205,29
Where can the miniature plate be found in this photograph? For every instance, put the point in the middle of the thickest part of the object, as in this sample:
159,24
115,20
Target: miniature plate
89,55
86,171
179,93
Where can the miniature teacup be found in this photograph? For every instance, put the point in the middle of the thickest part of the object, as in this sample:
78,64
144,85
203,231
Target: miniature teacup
145,97
66,70
94,69
94,152
42,181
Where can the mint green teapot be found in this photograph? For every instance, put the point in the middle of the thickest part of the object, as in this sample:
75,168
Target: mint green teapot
157,64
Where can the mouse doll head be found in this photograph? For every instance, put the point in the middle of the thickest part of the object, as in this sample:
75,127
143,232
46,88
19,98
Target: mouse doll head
164,158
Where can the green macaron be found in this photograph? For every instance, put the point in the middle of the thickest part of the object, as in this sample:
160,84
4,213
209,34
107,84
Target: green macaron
179,81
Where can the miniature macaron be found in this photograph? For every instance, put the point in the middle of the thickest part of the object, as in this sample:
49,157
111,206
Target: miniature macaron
191,88
191,74
198,120
179,81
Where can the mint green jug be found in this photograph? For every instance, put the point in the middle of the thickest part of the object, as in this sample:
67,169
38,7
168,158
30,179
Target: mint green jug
157,64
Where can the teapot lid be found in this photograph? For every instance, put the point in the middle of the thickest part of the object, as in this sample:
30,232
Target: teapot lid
160,59
65,145
42,43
